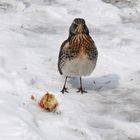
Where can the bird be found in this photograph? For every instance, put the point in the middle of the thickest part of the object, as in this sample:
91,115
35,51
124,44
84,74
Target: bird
78,54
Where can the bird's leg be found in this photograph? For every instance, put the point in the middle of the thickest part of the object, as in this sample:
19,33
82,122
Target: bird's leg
81,88
64,87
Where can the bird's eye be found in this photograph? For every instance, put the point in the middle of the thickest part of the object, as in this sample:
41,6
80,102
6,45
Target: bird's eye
75,25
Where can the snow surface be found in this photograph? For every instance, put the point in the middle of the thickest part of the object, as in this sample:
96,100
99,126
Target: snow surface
31,32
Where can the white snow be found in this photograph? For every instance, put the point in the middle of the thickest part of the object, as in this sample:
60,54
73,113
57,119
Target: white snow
31,33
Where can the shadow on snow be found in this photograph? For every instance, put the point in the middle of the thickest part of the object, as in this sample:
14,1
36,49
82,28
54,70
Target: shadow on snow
102,83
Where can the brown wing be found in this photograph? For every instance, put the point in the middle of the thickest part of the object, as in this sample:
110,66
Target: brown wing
62,56
92,51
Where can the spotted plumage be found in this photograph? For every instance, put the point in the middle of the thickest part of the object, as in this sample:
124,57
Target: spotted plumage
78,54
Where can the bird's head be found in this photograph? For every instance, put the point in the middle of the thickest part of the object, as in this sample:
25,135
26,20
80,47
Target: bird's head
78,26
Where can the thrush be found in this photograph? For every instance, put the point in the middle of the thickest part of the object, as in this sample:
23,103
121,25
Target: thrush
78,54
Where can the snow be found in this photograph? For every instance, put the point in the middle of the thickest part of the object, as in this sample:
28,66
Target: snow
31,33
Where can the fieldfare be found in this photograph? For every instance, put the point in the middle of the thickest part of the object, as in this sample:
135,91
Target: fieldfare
78,54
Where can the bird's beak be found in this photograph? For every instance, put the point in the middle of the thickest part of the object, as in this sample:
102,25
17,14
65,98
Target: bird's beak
80,28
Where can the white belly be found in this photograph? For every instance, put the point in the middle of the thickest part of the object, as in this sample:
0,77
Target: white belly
78,67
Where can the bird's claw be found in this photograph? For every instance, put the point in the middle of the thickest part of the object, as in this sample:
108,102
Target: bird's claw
64,90
81,90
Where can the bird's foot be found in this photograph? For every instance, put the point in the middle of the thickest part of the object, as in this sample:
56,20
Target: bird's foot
81,90
64,90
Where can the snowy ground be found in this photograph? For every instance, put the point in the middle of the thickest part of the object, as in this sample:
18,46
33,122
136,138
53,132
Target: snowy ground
31,33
